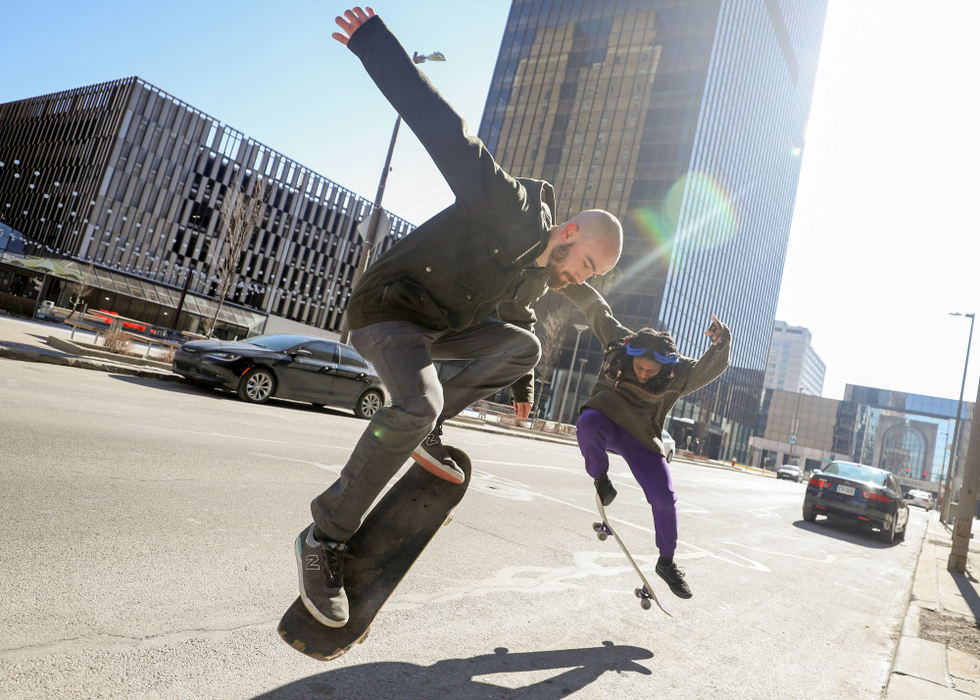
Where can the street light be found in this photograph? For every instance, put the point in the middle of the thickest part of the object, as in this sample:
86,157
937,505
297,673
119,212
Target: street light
571,368
945,504
371,235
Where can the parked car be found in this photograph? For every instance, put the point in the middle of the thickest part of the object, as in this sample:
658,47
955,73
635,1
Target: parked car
920,498
789,471
285,366
860,495
669,445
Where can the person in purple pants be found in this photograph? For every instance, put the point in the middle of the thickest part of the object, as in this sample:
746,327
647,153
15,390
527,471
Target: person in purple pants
642,377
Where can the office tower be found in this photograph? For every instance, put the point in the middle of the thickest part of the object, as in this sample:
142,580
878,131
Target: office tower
793,364
686,119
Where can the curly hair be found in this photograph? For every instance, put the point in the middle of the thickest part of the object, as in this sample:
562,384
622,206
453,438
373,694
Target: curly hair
617,359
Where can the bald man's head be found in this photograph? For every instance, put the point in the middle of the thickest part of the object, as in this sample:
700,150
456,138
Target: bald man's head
587,244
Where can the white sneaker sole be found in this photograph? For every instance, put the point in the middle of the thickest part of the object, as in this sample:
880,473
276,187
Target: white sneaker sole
307,603
437,468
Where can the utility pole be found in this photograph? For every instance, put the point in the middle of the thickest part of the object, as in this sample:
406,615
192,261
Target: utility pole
946,496
967,502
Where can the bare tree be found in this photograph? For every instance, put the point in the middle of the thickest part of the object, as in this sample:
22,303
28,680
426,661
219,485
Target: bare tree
80,288
241,214
553,314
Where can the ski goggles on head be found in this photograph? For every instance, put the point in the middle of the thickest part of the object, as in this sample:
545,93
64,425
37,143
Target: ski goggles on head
660,357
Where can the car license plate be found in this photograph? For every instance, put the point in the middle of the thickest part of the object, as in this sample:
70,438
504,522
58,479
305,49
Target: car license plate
846,490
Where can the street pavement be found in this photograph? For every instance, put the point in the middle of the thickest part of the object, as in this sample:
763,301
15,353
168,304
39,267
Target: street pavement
145,551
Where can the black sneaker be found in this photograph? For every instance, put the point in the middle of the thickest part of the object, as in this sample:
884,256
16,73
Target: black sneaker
434,457
669,572
604,488
321,578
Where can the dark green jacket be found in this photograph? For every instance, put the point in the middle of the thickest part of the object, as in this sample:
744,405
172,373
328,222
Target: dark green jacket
636,406
474,260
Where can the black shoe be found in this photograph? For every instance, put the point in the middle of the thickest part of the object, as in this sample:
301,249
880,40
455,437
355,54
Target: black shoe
604,488
321,578
435,458
668,571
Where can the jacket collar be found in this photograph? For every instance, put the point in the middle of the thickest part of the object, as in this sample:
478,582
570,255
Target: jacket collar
541,196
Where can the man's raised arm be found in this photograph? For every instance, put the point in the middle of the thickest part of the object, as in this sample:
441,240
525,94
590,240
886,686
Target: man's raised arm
463,160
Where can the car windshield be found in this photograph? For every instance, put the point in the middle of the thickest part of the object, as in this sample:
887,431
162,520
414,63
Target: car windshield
278,342
858,472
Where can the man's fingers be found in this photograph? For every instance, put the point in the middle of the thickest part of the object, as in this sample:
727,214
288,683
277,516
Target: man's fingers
351,20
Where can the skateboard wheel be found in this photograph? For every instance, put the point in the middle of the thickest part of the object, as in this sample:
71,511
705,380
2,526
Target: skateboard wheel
645,604
602,536
638,593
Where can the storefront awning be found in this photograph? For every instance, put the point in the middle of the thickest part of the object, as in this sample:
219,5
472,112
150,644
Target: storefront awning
145,290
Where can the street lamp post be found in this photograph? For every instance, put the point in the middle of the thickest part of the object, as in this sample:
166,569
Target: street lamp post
571,368
951,468
196,221
371,235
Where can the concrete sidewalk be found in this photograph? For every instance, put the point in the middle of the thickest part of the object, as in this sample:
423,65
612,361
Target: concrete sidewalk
938,654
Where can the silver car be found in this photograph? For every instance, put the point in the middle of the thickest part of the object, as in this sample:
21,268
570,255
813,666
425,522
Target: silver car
669,445
920,498
789,471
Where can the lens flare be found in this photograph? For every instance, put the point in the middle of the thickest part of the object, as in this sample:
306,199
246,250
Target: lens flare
697,214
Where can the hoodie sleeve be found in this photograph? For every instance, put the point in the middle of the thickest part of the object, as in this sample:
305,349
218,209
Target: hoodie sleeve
597,312
709,366
469,169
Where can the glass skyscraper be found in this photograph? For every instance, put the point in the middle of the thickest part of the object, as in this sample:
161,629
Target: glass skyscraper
686,119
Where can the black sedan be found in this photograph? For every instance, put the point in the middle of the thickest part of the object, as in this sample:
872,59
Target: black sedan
296,367
860,495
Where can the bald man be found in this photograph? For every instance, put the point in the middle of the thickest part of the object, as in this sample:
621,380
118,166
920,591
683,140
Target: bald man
459,287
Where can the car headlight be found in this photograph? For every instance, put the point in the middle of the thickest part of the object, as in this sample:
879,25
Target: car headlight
222,356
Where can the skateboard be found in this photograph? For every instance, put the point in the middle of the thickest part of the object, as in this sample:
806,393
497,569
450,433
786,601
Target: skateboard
602,531
388,542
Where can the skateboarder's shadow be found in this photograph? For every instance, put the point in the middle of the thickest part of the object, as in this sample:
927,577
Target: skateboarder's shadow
456,677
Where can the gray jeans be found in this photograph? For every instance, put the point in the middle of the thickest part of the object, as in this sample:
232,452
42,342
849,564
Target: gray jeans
402,353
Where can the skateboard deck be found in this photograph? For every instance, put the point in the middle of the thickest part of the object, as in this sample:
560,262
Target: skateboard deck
385,546
602,531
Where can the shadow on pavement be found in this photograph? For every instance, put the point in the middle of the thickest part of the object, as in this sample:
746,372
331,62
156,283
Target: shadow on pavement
967,585
456,678
33,349
845,533
184,387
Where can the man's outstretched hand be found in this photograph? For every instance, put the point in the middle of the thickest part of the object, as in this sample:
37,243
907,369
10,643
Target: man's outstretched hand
351,20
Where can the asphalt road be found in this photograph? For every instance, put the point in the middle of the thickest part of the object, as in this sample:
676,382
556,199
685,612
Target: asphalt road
146,551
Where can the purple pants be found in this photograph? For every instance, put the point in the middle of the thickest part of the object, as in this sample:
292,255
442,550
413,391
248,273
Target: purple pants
598,435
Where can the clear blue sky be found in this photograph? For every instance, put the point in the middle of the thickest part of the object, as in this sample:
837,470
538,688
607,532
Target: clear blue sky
884,241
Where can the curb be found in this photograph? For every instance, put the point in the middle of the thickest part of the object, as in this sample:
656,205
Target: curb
84,363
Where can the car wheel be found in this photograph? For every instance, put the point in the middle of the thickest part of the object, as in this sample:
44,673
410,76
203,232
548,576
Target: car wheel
888,534
370,403
256,386
670,455
810,515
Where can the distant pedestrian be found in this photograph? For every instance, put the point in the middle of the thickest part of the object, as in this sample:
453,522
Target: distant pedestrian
697,446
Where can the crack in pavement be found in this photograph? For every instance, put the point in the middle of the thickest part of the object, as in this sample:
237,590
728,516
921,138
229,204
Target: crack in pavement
110,640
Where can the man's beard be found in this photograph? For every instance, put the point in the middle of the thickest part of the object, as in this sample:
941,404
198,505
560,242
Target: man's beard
556,279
